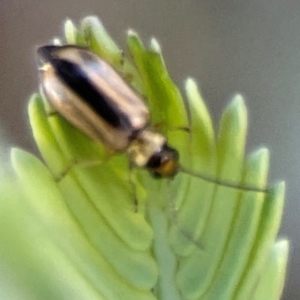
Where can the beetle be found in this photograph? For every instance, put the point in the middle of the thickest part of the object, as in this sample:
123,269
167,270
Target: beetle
90,94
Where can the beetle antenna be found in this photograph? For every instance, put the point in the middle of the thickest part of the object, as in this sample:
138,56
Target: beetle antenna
223,183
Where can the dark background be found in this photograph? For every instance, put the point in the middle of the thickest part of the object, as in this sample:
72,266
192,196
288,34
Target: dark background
252,47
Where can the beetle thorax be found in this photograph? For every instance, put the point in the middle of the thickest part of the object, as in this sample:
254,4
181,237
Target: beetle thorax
146,143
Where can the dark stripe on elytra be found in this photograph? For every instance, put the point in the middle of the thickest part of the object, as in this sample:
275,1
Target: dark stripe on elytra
77,81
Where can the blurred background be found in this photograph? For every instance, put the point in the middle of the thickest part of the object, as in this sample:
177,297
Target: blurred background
251,47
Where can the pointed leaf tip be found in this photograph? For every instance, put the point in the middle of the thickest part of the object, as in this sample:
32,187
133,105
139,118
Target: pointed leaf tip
282,245
190,83
155,46
70,31
237,103
235,115
261,154
239,98
132,33
93,20
263,151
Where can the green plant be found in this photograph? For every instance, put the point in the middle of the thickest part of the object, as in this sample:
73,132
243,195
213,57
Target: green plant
91,235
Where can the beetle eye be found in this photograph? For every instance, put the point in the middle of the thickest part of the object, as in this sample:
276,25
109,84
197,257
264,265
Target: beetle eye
164,163
154,161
